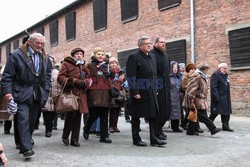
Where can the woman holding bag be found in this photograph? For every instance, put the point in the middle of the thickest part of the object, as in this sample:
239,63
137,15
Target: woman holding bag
75,72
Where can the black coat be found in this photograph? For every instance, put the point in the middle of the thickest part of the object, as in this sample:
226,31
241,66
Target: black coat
141,71
164,96
220,94
21,81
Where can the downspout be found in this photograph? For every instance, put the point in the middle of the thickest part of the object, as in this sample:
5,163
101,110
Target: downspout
192,31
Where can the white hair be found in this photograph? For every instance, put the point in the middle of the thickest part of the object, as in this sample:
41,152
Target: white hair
36,35
221,65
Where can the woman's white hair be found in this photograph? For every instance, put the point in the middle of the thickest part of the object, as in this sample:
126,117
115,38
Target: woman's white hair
221,65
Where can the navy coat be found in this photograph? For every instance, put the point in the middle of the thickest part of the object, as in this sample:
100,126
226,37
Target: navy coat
19,77
220,94
141,71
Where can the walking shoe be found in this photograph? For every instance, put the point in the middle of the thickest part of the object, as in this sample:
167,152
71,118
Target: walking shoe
66,141
139,143
215,130
157,143
116,129
105,140
48,134
76,144
28,154
6,132
85,135
199,130
227,129
111,130
192,133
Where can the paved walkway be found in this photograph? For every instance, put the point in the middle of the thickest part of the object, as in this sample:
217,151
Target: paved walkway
223,149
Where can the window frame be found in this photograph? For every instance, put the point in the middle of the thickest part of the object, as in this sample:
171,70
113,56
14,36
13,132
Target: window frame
53,24
70,18
98,14
168,6
125,19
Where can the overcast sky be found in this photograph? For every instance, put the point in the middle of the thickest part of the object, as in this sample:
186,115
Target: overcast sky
18,15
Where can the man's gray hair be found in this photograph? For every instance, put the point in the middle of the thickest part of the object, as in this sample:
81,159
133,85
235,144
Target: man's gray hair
141,39
222,65
36,35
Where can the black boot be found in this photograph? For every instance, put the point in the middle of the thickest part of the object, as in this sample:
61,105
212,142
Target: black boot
154,141
135,126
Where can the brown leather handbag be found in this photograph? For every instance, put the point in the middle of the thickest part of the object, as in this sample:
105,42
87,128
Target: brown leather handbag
67,102
193,115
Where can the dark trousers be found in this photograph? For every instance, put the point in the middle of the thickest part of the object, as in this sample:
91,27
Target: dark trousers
55,120
38,119
48,117
135,124
7,126
202,116
94,113
175,124
184,122
114,116
224,119
126,110
16,134
72,124
26,118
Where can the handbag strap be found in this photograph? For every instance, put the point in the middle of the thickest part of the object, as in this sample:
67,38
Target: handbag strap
64,84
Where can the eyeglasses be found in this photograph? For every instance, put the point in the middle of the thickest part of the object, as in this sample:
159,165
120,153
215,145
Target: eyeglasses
147,43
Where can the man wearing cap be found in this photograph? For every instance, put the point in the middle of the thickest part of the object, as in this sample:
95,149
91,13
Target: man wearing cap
163,72
220,96
27,80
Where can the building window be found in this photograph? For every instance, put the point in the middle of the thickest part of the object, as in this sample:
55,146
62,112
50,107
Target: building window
70,24
15,44
123,57
40,30
239,44
100,15
8,49
177,51
53,30
166,4
129,10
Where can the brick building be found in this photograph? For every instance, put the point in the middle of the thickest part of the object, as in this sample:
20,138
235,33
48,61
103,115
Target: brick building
221,33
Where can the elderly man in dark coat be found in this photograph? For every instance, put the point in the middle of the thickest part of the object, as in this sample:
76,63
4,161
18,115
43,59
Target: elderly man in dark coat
220,96
163,72
27,81
142,79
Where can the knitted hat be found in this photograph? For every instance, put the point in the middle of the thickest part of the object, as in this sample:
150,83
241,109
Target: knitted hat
77,50
113,59
190,66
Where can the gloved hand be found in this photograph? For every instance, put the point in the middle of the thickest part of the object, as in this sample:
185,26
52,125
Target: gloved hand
107,73
79,83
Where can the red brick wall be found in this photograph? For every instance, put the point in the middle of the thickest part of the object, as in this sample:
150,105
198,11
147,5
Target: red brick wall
212,17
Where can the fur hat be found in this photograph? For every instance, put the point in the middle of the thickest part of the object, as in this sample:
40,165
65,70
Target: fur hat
202,66
189,67
112,59
77,50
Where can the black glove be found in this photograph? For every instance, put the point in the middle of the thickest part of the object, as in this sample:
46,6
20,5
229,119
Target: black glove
80,83
107,74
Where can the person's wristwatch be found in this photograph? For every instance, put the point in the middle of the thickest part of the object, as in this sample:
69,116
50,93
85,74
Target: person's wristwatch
1,151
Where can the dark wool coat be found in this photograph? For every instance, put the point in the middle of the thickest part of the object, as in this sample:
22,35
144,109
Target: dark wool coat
19,77
75,74
175,90
163,72
197,89
140,69
99,93
220,94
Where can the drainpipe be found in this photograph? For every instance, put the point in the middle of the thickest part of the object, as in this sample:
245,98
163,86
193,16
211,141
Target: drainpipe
192,31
